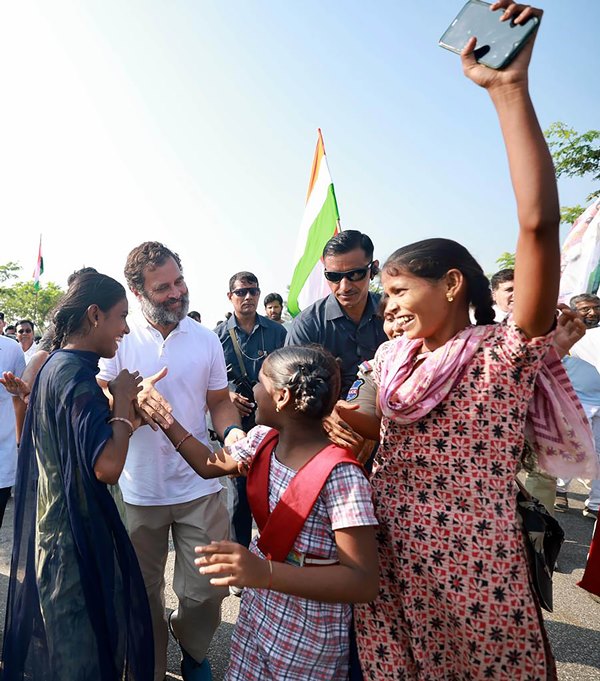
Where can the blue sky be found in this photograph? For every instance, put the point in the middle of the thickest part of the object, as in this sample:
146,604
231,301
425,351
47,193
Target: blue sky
194,123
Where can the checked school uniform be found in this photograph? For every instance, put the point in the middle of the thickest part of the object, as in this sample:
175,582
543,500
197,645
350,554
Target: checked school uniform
278,636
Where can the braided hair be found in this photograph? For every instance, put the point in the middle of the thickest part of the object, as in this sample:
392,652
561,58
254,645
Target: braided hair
311,374
432,258
91,288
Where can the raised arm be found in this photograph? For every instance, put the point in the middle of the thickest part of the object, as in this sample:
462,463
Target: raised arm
537,267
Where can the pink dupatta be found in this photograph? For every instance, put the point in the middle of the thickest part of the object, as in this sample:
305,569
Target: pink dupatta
556,425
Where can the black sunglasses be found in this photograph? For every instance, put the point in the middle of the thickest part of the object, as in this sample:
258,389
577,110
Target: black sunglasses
351,275
243,292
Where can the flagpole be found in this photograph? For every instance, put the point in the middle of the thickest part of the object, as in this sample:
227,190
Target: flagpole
39,268
338,221
321,220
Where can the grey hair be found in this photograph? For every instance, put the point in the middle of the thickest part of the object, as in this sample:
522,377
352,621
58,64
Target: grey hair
583,298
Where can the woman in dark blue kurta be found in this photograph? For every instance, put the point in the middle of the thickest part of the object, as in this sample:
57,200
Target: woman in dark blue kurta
77,607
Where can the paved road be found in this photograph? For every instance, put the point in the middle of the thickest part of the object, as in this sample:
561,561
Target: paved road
573,627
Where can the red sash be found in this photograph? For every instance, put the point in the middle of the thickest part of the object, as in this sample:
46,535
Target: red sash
279,529
591,576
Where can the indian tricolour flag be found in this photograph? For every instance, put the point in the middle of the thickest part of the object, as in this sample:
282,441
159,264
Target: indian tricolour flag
320,222
39,268
580,256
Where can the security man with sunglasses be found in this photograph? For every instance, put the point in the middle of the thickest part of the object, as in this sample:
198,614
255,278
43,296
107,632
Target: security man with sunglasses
247,338
346,321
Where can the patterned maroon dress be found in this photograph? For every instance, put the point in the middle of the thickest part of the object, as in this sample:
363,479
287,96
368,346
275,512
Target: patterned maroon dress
455,601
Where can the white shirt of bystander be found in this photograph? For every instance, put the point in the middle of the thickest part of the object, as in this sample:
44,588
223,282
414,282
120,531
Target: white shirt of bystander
588,348
30,352
11,359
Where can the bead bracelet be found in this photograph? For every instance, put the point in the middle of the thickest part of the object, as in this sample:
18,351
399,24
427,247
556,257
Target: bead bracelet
183,439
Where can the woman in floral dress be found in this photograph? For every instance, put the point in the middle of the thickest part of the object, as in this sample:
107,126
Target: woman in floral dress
455,600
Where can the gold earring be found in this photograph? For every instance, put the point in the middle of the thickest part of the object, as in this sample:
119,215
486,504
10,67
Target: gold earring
277,409
95,325
450,298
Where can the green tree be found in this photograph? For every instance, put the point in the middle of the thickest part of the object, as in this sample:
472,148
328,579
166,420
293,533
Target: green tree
20,300
9,271
575,155
506,261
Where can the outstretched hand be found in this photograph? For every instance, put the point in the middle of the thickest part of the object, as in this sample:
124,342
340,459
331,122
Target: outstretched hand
340,433
570,328
151,406
126,385
516,71
241,403
15,386
342,406
239,566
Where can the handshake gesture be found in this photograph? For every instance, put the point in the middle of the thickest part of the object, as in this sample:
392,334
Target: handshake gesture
148,406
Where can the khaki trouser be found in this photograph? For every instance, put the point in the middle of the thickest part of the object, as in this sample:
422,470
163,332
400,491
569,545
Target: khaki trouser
543,488
199,610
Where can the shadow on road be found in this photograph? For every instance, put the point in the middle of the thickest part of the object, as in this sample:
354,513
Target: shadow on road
578,645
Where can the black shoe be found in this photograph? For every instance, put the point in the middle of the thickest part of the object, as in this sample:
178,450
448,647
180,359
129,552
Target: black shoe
561,504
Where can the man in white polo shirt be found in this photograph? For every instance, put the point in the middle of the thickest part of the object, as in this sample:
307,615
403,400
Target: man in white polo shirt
160,490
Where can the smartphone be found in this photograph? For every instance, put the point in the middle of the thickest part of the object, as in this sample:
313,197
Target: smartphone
498,42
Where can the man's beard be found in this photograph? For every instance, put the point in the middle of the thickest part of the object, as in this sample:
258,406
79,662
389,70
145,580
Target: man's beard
160,314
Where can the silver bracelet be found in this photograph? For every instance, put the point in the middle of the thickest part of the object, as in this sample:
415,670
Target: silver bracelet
123,420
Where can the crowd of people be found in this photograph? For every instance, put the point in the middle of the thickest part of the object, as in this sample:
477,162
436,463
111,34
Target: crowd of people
374,440
23,332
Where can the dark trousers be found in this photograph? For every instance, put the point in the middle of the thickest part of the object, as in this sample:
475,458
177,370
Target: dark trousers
4,497
241,518
355,673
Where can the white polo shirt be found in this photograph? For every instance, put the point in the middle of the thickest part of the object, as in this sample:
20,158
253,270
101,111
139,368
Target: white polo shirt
588,348
155,474
11,359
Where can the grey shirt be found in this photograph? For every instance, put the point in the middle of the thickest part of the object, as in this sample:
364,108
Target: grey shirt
325,323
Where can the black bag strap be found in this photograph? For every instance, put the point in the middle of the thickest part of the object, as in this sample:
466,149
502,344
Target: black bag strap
543,537
238,352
